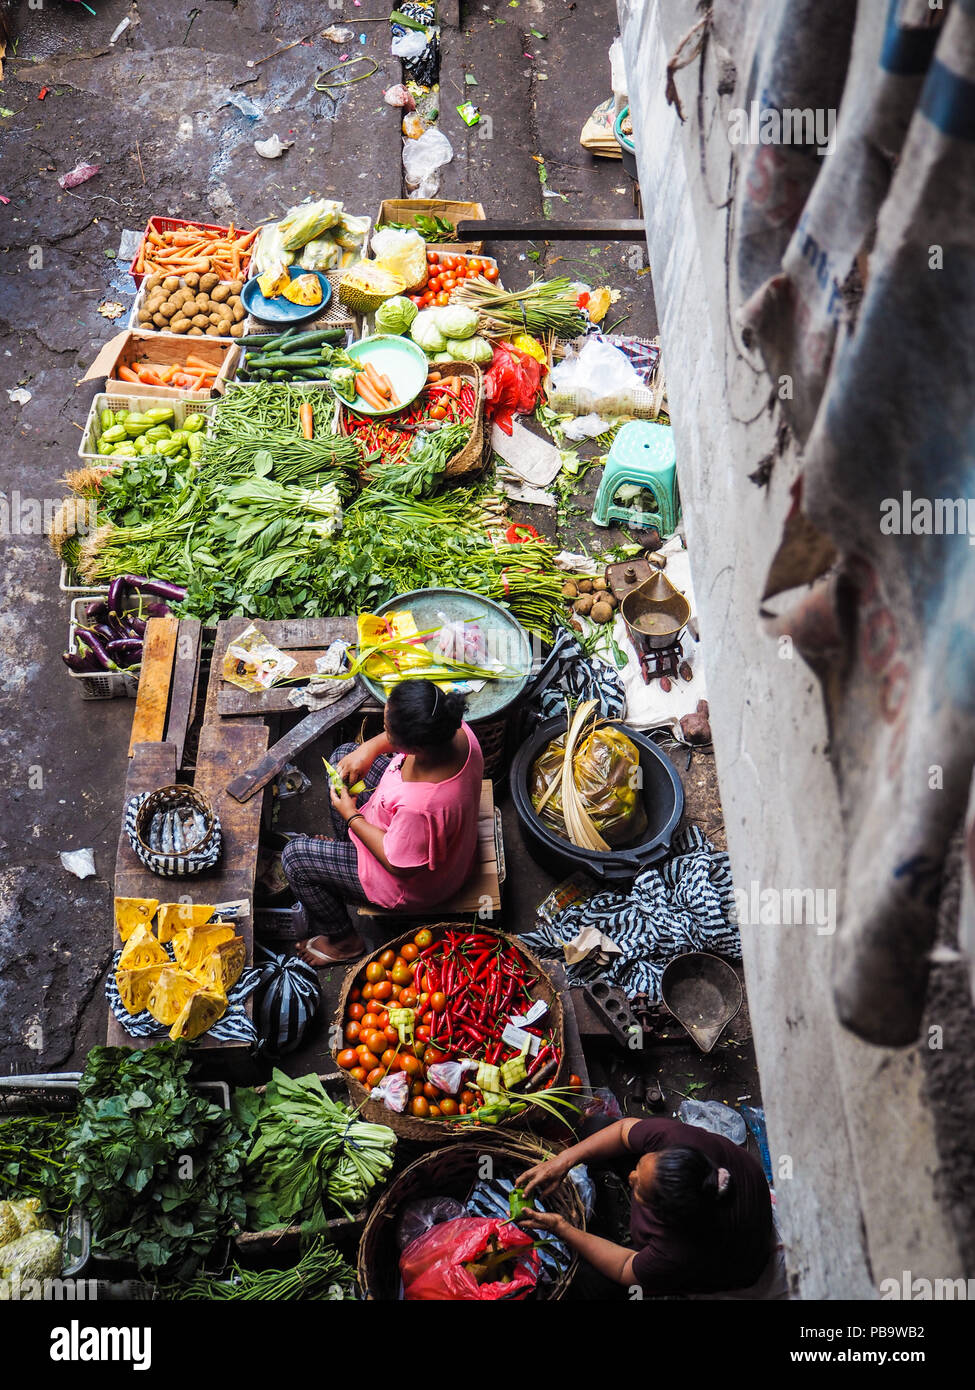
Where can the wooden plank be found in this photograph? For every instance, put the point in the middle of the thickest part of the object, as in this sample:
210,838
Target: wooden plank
310,728
182,698
152,765
152,701
306,640
505,230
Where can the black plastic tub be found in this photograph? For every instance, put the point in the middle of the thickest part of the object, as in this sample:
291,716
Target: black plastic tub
663,797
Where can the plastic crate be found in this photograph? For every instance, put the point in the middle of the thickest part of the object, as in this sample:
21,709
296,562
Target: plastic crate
173,224
102,685
119,400
142,295
70,582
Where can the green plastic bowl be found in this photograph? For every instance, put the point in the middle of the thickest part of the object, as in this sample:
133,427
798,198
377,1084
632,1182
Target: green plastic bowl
401,360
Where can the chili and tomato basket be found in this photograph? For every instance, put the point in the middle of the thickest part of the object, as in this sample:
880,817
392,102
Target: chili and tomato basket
462,987
454,394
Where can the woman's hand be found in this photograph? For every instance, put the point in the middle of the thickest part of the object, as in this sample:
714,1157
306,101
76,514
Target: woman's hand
355,765
344,803
544,1221
543,1177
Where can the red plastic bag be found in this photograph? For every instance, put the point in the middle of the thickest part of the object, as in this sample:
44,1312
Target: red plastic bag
512,385
433,1265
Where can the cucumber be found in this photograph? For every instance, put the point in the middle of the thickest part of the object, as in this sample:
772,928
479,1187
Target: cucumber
266,340
312,374
295,363
308,340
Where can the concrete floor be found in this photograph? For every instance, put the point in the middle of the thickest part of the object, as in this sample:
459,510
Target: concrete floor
152,112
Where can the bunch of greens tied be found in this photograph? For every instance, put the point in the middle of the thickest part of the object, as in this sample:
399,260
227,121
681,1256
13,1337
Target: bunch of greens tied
309,1154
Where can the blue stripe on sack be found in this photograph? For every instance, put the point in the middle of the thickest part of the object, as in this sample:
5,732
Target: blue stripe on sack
948,101
907,52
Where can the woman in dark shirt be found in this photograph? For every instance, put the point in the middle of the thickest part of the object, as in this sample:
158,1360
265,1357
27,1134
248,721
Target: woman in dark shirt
701,1217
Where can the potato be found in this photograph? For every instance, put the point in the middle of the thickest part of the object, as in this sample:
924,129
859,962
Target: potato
182,297
192,280
583,605
179,324
600,612
154,301
569,590
153,282
236,286
224,327
213,316
145,316
159,321
219,293
238,312
599,584
237,331
200,321
170,283
169,309
194,332
213,331
208,281
202,303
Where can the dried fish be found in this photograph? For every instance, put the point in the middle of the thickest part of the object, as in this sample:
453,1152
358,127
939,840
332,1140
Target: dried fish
155,832
167,833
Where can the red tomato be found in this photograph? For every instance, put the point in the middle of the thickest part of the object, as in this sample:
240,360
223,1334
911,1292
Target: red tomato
420,1107
467,1098
388,1059
356,1010
490,272
432,257
347,1058
426,300
416,1088
422,1034
390,1033
424,938
382,991
402,973
409,1064
434,1112
432,1056
374,971
368,1022
408,997
368,1059
410,951
355,994
360,1074
352,1031
427,1018
438,1001
442,299
383,1019
367,992
376,1042
375,1076
430,1090
473,266
424,999
419,1049
387,958
448,1106
463,1110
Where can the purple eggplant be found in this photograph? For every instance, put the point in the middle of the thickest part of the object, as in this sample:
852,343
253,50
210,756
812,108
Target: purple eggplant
157,609
97,611
136,626
117,593
159,588
127,652
104,632
83,662
97,648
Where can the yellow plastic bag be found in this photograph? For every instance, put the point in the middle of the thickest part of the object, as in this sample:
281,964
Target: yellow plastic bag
401,253
606,772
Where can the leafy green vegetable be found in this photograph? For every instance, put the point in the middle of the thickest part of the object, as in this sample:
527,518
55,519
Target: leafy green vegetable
156,1166
32,1159
309,1154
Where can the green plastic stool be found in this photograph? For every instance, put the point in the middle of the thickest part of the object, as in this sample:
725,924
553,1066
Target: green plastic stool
643,455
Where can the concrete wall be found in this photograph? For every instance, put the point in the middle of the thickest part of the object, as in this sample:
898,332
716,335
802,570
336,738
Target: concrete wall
846,1120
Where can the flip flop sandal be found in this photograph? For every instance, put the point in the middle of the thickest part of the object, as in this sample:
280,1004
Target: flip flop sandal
314,956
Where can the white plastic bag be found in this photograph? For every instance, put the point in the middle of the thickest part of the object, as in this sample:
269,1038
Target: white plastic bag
598,371
422,161
586,427
714,1116
393,1091
409,45
402,253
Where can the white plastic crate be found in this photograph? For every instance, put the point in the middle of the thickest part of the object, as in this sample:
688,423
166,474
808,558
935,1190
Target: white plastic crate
142,294
102,685
116,400
70,582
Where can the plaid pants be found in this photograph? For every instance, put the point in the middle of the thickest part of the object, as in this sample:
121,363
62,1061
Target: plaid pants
324,874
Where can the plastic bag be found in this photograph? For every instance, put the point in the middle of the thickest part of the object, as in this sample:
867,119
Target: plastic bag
597,372
416,1218
433,1267
321,254
461,641
287,998
715,1117
410,43
449,1076
402,253
393,1091
422,161
606,771
307,221
512,385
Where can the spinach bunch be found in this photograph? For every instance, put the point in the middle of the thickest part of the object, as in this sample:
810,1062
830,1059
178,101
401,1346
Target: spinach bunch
156,1165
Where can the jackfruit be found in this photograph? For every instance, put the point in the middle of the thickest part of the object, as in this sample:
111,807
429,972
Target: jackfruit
170,994
304,289
192,945
200,1013
274,281
175,917
224,965
363,288
133,912
141,949
135,986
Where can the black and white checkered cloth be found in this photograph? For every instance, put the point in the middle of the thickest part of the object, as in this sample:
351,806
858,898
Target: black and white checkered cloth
684,905
234,1026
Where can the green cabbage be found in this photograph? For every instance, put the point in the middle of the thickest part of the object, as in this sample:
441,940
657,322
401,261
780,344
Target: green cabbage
454,321
395,315
426,333
470,350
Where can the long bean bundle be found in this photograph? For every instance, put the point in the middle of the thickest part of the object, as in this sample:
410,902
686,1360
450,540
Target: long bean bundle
546,306
266,420
321,1273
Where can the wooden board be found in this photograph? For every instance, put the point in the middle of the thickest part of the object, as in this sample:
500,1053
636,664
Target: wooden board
182,695
257,777
306,639
152,701
500,230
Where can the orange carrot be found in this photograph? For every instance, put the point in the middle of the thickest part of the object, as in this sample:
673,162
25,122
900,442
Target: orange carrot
150,378
127,374
376,381
369,393
307,417
192,361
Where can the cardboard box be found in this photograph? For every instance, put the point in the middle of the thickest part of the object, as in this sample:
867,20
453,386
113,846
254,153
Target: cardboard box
141,347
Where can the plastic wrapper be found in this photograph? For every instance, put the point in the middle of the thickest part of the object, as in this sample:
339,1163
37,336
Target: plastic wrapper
434,1267
269,250
416,1218
606,771
462,641
350,232
321,254
393,1091
449,1076
402,253
308,221
512,385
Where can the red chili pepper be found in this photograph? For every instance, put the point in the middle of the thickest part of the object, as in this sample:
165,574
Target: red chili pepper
544,1055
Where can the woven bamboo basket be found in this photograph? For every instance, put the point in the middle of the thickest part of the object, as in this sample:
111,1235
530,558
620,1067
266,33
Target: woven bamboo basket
167,799
452,1172
469,462
434,1131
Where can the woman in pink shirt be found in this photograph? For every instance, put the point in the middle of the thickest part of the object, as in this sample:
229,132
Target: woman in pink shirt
409,841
